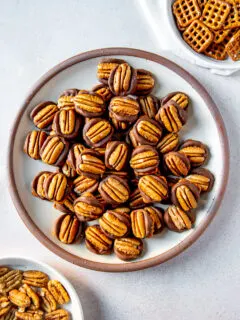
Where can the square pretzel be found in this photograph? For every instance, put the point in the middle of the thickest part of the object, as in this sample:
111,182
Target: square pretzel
198,36
186,11
220,35
233,19
233,47
202,3
215,13
216,51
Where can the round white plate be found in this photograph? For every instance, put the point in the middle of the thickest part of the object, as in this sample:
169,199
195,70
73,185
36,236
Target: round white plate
204,124
24,264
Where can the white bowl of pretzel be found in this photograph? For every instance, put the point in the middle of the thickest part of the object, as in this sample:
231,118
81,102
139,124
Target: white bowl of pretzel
207,31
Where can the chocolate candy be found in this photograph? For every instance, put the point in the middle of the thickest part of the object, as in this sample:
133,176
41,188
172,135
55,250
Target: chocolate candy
54,150
74,154
104,91
128,248
114,190
105,67
84,184
124,109
156,215
68,229
90,164
116,155
136,200
146,131
180,98
202,178
168,143
145,82
66,205
177,163
90,105
185,195
56,187
149,105
114,224
65,101
38,183
87,207
66,123
196,151
68,171
122,80
33,143
42,115
144,160
153,188
97,132
97,241
142,224
176,219
171,116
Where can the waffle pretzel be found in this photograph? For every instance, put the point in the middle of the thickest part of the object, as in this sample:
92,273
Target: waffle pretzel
186,11
216,51
201,3
215,13
233,19
233,47
220,35
198,36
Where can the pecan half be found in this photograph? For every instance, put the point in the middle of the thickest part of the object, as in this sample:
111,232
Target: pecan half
149,105
66,205
142,224
34,298
90,164
196,151
54,150
30,315
177,163
124,109
168,143
89,105
115,225
59,314
114,190
87,207
33,143
84,184
38,183
35,278
147,131
97,241
68,229
3,271
136,200
97,132
171,116
10,315
185,195
68,171
5,306
105,67
42,115
122,80
10,280
103,91
56,187
74,154
65,101
128,248
48,303
144,160
179,97
19,298
145,82
202,178
116,155
122,210
58,291
157,218
176,219
66,123
153,188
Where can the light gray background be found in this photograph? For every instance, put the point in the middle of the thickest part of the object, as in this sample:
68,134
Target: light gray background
201,283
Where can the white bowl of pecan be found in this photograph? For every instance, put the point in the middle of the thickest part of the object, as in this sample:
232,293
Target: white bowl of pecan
30,289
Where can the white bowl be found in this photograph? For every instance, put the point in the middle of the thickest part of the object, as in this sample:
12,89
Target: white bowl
24,263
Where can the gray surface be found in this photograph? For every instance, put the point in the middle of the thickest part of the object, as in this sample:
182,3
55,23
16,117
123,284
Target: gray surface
203,282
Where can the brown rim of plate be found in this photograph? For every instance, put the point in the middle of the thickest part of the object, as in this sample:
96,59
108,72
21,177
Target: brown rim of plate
189,240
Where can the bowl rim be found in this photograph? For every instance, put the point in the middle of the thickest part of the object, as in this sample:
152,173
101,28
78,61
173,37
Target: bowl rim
51,269
197,57
137,265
